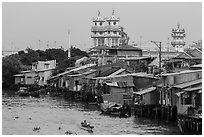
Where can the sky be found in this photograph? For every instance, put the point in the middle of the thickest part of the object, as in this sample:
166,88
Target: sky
34,25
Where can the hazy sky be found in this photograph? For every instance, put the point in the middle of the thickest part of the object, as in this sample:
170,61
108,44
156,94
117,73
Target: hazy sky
24,24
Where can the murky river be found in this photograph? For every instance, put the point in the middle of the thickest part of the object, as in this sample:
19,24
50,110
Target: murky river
56,115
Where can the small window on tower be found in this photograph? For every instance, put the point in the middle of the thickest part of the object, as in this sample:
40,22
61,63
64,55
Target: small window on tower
108,23
95,24
108,32
101,23
114,23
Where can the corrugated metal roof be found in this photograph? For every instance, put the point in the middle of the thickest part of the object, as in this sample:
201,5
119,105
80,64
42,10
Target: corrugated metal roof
135,58
181,72
18,75
145,91
121,84
193,89
187,84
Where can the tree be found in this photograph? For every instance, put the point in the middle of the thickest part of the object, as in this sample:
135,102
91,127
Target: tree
66,63
10,66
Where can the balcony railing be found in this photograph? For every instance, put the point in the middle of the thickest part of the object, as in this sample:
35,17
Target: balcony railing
178,43
98,28
181,35
178,30
106,28
98,35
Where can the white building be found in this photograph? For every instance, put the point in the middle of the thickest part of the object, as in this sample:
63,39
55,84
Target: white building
178,36
106,31
39,74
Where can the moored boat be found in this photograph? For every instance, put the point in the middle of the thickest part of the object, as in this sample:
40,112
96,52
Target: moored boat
87,126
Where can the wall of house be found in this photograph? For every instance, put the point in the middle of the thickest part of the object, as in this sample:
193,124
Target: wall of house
181,109
30,78
42,65
43,77
19,80
129,53
116,95
142,82
181,78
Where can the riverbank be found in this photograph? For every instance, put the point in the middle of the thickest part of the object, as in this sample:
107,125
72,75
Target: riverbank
58,116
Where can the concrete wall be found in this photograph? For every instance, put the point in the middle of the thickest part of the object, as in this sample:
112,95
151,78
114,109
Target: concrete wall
19,80
44,75
182,78
129,53
116,95
30,78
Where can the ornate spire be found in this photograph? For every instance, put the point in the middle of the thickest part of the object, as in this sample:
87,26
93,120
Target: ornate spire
178,25
113,12
99,13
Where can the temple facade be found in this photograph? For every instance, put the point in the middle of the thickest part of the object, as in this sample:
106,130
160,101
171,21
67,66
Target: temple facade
107,31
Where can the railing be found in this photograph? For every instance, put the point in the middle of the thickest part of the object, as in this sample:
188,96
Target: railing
178,30
178,43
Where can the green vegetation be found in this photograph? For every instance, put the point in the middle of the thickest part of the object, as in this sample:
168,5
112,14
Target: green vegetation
15,63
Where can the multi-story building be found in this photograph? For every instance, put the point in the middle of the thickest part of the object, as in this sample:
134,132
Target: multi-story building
106,31
39,74
178,36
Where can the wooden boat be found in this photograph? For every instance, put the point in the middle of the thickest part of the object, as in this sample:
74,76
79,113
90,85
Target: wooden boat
87,126
115,109
23,91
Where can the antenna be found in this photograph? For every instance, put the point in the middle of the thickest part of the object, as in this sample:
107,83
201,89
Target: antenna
48,44
69,44
39,44
55,44
168,48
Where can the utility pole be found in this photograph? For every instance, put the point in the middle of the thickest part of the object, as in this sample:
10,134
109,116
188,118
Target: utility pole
158,44
69,54
168,48
39,44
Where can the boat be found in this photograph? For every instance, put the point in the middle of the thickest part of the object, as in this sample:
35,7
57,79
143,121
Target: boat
86,126
23,91
115,109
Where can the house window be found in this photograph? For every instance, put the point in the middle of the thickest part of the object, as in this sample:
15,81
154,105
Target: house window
95,24
113,42
47,66
114,32
186,98
109,23
101,23
114,23
116,41
108,32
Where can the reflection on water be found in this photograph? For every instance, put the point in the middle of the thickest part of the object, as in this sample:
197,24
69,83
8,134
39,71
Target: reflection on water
56,115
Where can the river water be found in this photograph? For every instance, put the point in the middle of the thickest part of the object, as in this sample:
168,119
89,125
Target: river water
56,116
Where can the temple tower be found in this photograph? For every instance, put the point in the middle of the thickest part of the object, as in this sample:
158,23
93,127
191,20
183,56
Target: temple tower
178,36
